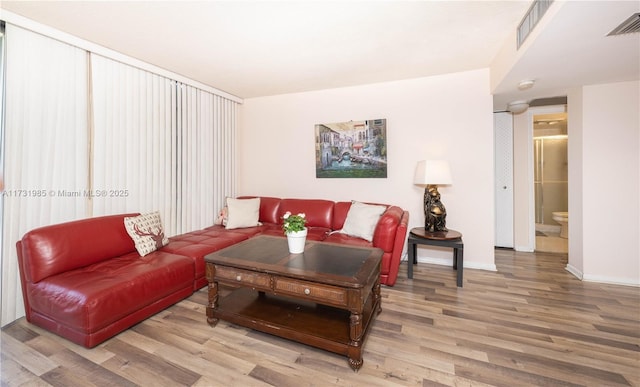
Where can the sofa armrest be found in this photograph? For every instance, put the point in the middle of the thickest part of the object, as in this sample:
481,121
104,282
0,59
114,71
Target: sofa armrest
390,235
385,232
398,247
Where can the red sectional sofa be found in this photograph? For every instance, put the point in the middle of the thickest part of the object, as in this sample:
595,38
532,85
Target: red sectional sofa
85,281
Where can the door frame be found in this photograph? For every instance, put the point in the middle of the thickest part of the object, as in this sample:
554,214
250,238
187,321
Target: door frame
504,225
531,112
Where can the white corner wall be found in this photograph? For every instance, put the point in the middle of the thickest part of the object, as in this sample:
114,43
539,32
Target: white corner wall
575,264
611,182
448,116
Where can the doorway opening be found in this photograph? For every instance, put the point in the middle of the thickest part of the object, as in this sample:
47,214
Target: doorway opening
550,181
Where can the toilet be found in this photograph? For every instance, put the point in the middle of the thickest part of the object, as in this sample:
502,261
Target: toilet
563,219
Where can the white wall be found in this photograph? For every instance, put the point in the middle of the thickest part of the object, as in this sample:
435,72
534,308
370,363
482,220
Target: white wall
448,116
604,182
575,150
611,182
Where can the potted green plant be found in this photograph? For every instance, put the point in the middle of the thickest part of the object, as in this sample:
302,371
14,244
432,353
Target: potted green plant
295,230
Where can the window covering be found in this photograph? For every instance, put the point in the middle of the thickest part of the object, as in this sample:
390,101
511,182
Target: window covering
45,147
86,135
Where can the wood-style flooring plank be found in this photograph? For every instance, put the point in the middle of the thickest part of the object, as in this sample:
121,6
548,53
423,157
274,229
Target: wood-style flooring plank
13,374
75,370
28,358
531,323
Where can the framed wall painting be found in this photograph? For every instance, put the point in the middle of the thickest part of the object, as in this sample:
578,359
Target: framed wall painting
354,149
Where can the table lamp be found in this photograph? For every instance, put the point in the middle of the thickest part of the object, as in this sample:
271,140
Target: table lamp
429,174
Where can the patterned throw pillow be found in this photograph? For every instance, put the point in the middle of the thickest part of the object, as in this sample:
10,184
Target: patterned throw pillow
222,217
147,232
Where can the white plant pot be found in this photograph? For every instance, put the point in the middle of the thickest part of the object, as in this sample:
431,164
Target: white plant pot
296,241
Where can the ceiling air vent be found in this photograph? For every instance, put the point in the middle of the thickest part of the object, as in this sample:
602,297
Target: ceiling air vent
628,26
533,16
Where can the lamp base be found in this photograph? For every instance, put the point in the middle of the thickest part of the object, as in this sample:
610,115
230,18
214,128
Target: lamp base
434,212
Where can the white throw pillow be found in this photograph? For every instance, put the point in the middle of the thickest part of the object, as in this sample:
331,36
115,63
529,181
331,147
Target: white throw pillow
362,220
242,213
147,232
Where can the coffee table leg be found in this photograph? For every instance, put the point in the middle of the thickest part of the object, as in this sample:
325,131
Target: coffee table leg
377,298
355,343
213,303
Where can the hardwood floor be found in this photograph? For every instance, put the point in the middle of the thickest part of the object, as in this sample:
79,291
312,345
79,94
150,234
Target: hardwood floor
529,324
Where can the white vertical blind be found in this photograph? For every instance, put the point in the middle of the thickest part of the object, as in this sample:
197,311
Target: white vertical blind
46,158
205,210
132,139
144,143
162,144
205,174
226,148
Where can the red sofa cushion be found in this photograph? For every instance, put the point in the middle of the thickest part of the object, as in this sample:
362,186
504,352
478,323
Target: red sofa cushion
90,298
46,250
197,244
340,211
318,212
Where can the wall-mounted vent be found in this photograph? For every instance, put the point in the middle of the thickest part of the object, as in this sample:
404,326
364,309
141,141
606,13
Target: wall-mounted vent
629,26
532,17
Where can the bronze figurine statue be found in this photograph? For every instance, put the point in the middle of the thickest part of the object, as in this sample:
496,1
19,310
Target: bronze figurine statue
434,212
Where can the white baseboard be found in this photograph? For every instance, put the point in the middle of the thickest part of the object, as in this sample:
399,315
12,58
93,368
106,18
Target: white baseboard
437,261
524,249
599,279
492,267
573,270
481,266
611,280
466,264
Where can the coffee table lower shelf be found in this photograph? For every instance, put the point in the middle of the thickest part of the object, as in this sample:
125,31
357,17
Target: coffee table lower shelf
317,325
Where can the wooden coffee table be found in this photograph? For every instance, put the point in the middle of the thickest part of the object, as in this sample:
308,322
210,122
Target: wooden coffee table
326,297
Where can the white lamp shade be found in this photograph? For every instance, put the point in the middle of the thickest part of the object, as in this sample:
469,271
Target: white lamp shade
432,172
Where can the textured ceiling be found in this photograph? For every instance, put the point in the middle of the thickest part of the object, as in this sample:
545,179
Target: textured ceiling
260,48
571,49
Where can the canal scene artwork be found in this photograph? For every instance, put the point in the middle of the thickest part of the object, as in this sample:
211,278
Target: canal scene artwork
353,149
